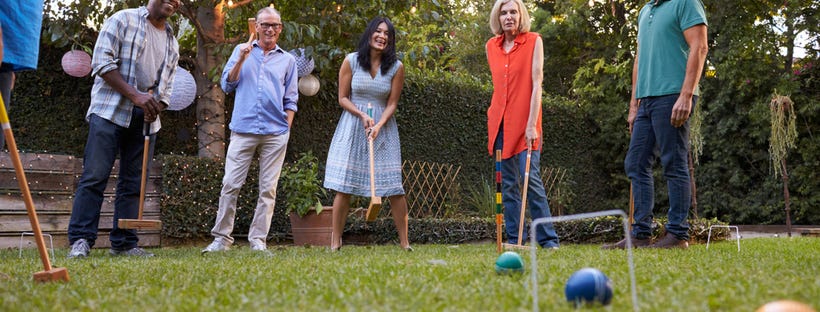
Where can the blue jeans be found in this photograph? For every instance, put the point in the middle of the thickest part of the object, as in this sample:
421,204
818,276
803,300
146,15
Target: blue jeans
512,179
653,135
105,141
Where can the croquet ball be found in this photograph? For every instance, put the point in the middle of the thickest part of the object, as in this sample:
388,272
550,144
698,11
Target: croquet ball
509,262
588,286
785,306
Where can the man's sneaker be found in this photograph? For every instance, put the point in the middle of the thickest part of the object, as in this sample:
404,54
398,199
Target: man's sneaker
258,246
133,252
636,243
80,249
215,246
670,241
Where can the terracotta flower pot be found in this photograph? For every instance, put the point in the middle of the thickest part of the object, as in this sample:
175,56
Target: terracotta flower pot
312,229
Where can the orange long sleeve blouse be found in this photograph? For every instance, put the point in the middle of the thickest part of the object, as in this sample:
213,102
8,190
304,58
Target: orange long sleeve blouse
512,93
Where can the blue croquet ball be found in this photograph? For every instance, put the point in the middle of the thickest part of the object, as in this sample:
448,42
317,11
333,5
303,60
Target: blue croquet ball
509,262
588,286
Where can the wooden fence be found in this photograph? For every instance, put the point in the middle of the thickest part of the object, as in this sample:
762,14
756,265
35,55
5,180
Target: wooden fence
52,180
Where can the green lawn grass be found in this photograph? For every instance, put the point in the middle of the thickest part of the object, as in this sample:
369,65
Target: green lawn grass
431,278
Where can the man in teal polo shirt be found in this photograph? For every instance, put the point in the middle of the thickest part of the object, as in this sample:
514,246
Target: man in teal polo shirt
20,23
672,48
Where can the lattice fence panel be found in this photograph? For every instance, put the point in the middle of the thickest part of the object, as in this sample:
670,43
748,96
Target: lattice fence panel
429,186
552,178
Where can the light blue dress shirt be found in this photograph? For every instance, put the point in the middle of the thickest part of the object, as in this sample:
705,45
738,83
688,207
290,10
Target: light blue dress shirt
266,88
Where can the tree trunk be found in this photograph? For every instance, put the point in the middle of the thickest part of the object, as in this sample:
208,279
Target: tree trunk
210,110
693,185
786,197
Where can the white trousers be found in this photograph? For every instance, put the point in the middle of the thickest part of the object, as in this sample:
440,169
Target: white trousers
241,150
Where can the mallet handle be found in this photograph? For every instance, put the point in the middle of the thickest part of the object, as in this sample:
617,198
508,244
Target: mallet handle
23,183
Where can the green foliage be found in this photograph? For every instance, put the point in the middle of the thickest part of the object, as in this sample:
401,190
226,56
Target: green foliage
301,186
784,131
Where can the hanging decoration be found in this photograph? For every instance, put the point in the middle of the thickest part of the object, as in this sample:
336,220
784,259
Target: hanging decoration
309,85
304,65
76,63
183,90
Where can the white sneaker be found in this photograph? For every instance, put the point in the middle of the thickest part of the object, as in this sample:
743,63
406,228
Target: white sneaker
217,245
80,249
258,246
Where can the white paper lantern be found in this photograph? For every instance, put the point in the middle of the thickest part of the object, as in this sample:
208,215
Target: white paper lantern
309,85
76,63
183,91
304,65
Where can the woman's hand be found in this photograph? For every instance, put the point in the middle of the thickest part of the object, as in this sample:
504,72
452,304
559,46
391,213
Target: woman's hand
532,136
374,131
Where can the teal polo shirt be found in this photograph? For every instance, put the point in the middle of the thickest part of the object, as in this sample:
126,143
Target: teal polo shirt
662,48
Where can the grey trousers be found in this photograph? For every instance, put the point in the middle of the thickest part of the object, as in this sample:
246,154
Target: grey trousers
241,150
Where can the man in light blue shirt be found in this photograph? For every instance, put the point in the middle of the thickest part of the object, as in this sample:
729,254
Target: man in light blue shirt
264,78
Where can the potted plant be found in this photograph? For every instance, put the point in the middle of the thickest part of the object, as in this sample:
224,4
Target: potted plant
310,222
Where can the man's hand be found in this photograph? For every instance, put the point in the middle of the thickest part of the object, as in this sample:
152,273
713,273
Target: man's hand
633,113
150,106
680,112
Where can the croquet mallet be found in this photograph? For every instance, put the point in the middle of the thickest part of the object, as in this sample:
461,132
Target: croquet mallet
631,206
498,215
375,202
251,29
524,192
139,223
48,274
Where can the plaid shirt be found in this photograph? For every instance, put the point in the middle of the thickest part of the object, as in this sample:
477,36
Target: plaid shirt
119,47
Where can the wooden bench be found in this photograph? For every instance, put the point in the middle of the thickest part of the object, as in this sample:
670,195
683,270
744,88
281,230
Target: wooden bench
52,180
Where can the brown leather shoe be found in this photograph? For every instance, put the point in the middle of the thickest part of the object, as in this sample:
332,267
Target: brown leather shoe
636,243
670,241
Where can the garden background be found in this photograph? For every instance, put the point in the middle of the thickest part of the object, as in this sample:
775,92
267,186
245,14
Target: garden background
757,49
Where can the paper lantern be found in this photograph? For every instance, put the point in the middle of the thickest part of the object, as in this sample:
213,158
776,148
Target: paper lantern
309,85
304,65
76,63
183,90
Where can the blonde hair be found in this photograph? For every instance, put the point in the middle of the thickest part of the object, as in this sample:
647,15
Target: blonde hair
523,24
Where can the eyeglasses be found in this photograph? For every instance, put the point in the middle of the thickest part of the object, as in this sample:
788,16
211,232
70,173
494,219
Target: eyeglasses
266,26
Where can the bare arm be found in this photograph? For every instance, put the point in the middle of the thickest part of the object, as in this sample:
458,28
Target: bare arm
233,75
396,85
345,78
633,102
696,39
535,98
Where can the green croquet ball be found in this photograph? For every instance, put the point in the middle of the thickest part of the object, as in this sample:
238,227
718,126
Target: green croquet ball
509,262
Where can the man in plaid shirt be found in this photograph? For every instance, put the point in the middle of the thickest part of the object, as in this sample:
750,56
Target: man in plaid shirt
134,62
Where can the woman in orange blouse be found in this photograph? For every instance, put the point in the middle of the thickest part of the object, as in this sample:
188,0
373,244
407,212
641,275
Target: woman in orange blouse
516,59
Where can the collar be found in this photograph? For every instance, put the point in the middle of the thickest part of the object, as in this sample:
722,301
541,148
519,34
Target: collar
276,48
520,39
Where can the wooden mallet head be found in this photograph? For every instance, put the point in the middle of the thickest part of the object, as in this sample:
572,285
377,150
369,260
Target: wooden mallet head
251,29
55,274
139,224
